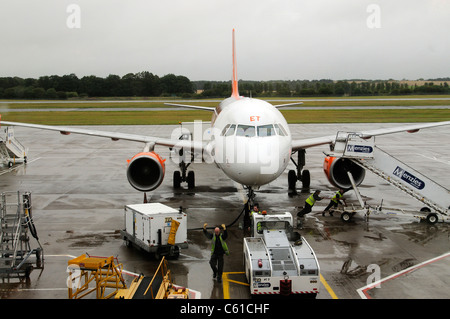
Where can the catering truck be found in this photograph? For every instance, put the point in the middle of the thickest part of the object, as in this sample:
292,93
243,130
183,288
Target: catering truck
155,228
277,260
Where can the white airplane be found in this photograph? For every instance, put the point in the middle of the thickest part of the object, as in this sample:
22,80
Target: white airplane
250,142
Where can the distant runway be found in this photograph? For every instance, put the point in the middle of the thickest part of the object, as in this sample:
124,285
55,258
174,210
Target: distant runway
4,105
219,100
149,109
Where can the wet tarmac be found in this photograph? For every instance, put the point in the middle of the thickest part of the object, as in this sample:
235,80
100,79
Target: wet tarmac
79,188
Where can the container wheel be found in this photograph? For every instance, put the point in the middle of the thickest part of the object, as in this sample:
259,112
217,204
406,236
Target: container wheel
432,218
346,216
174,252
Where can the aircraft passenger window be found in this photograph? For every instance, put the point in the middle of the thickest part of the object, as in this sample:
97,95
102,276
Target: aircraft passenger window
266,130
245,130
231,130
280,130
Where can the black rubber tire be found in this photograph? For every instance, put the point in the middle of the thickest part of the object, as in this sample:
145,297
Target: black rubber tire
176,179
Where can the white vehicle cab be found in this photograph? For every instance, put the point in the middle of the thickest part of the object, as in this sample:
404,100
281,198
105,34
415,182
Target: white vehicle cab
277,260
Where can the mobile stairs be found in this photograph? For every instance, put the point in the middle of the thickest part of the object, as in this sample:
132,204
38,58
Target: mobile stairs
16,222
105,272
11,150
366,154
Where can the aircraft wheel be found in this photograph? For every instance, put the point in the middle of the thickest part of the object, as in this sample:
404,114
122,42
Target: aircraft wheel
191,179
306,178
292,179
176,179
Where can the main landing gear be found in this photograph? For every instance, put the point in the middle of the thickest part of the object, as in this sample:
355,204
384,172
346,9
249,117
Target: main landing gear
183,175
300,174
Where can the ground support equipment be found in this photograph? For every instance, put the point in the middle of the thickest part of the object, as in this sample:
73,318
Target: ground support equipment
16,222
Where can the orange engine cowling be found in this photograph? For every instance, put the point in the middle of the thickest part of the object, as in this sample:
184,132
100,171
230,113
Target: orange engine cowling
145,171
336,171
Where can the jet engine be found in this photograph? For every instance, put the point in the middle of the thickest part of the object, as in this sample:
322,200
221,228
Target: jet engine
145,171
336,171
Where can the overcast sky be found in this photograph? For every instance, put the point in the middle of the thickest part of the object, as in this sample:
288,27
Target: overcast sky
275,39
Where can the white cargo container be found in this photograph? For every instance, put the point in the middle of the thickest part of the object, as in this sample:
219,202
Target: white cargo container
148,226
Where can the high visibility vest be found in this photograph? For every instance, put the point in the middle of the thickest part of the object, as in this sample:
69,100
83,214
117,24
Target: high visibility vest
252,212
311,200
337,197
224,245
259,228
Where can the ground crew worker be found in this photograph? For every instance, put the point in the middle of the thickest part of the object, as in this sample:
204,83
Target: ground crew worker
335,200
255,209
309,203
218,249
259,228
248,221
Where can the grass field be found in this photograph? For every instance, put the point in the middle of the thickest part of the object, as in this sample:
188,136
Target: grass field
366,115
424,100
174,117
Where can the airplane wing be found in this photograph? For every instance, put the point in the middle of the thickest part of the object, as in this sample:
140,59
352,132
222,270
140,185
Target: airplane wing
289,104
212,109
199,146
316,141
197,107
115,136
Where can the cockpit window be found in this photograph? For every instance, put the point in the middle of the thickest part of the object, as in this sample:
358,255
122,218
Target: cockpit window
225,129
231,129
280,130
250,131
245,130
266,130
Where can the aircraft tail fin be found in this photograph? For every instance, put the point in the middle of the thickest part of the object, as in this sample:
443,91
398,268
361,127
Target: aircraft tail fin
234,82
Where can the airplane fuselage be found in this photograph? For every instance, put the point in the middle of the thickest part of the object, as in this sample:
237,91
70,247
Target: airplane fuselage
251,141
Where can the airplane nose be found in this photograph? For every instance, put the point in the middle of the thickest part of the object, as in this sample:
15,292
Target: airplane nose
253,162
253,174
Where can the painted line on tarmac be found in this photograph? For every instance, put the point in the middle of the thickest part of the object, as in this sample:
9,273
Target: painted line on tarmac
17,166
226,283
226,286
363,290
434,158
328,288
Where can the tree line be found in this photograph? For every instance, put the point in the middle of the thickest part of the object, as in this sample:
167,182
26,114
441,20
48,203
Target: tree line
146,84
307,88
70,86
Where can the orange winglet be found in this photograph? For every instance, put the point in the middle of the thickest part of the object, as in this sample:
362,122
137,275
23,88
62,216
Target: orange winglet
234,85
